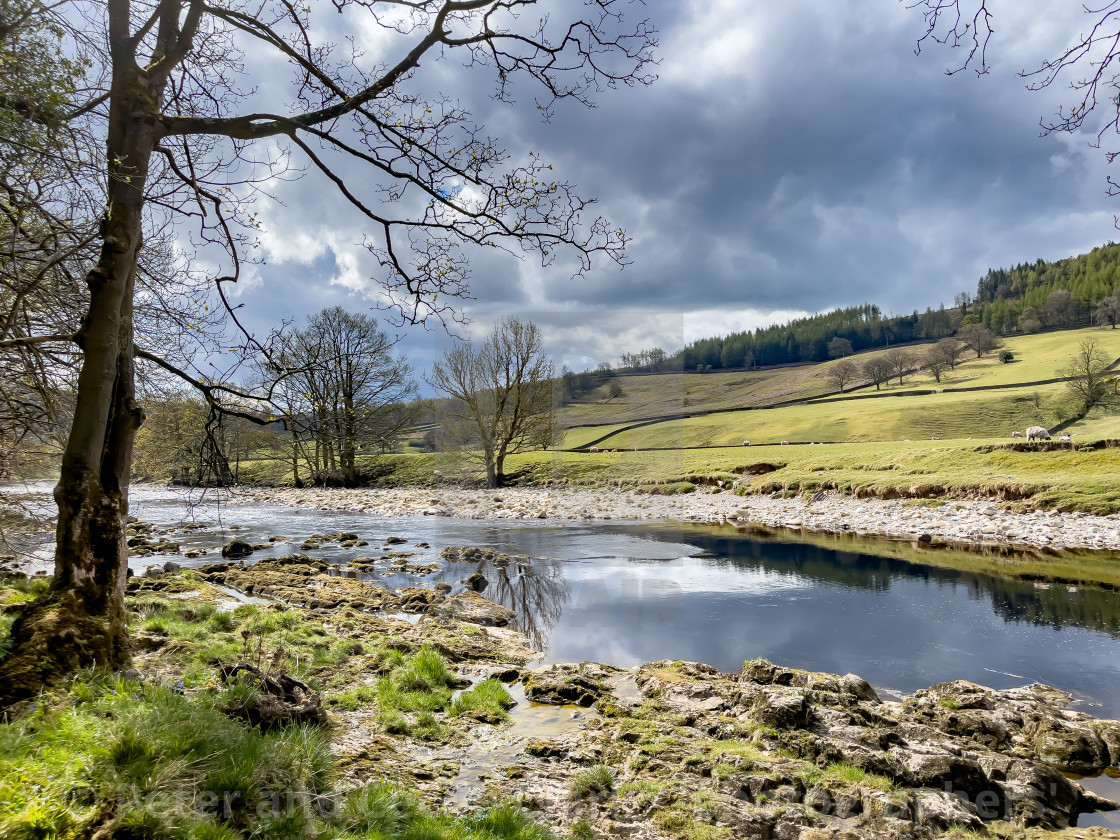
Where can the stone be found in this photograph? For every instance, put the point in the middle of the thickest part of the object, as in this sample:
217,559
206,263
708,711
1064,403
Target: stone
236,549
474,609
477,582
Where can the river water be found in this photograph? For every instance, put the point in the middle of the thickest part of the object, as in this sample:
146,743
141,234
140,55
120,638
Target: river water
627,593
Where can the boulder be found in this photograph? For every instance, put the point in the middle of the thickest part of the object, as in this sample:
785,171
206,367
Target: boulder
235,549
477,582
474,609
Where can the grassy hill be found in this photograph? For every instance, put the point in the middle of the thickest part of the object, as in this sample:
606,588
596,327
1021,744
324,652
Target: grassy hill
1015,403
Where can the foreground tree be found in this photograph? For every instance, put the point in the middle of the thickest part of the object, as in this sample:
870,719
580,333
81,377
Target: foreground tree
501,394
431,183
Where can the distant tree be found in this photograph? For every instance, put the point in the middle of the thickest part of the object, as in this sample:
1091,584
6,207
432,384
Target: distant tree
878,370
356,389
901,362
838,348
1108,311
501,392
1086,374
614,391
936,362
962,301
951,349
843,372
1029,322
979,338
1061,309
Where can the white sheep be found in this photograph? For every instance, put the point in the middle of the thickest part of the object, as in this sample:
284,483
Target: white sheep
1065,439
593,449
746,443
1016,434
935,438
1037,432
785,443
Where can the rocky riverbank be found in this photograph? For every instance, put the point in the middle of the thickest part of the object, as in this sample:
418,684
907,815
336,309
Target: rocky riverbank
669,750
674,750
953,521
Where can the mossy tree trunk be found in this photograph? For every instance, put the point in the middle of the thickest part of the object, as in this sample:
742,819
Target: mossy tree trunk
80,621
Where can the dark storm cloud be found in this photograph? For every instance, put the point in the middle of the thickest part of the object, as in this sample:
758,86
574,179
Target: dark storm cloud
793,157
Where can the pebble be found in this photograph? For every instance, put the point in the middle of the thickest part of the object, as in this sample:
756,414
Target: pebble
953,521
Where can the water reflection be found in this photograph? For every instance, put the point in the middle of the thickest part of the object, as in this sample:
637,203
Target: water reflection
627,593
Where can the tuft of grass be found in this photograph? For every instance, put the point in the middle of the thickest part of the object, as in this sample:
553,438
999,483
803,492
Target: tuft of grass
846,774
488,702
597,780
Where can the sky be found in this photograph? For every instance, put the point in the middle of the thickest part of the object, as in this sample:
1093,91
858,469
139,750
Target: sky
792,157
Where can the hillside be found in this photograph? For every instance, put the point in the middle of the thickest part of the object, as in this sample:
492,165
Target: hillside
1012,403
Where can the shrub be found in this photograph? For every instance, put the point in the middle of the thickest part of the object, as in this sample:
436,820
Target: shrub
1006,356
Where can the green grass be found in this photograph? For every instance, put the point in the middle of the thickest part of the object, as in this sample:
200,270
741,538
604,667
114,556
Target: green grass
597,780
846,774
488,702
127,759
1064,479
1037,357
955,415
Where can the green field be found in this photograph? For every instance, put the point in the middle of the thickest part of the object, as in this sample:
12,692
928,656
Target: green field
956,415
1037,357
969,414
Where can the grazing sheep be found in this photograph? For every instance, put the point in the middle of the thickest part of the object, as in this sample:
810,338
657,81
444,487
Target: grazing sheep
1016,434
1037,432
1065,439
906,440
436,473
593,449
785,443
935,438
746,443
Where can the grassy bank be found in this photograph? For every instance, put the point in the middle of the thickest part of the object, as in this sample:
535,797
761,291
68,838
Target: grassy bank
165,752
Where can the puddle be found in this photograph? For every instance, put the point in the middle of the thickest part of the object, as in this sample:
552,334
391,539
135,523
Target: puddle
1107,785
499,747
241,598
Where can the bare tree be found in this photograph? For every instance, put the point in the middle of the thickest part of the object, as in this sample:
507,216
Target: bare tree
935,362
878,370
1108,311
353,391
182,142
1088,63
1061,309
1086,381
1029,322
501,394
951,349
901,362
979,339
843,372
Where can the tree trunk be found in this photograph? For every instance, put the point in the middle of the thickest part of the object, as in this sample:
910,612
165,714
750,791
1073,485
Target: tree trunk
80,621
